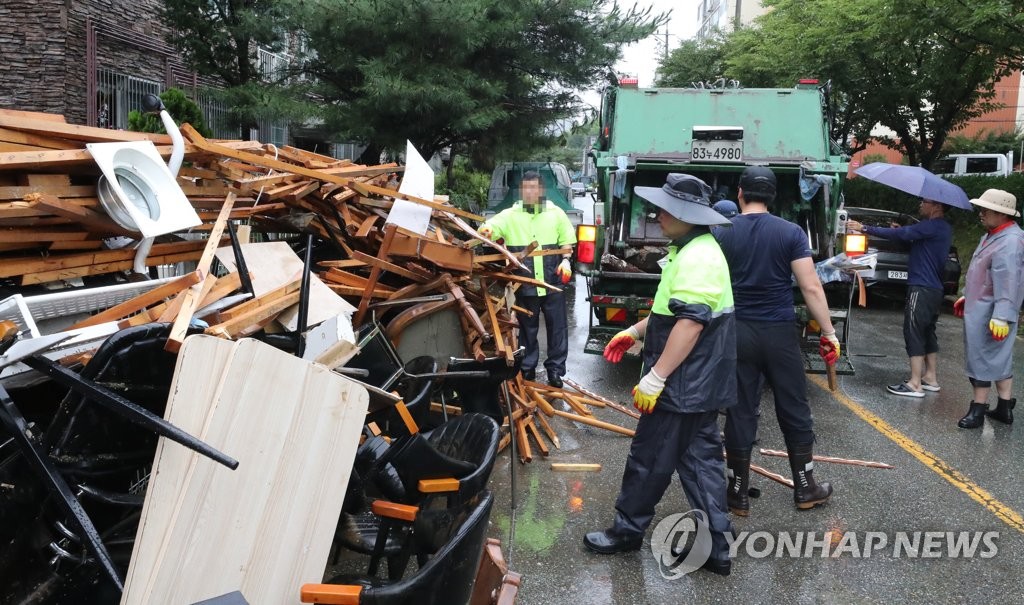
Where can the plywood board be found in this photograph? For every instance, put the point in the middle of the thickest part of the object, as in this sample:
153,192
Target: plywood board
265,528
272,265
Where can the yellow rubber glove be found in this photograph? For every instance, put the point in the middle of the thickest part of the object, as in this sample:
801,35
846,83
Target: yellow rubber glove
645,394
564,270
999,328
486,230
620,343
828,347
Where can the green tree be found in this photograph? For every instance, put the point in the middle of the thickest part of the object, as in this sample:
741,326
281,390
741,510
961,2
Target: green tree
180,107
466,74
889,63
693,61
222,37
986,141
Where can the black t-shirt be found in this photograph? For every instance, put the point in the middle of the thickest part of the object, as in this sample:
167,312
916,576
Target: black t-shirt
760,249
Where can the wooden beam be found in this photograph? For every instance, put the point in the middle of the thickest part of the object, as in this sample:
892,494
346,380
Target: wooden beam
79,133
192,296
141,301
92,221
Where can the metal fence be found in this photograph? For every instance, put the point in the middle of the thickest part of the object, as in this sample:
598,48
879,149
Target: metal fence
118,94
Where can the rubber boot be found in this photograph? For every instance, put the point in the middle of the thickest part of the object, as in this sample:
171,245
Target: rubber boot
975,416
1004,411
738,469
806,493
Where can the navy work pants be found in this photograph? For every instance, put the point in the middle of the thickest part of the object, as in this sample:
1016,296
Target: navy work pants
769,349
686,444
557,323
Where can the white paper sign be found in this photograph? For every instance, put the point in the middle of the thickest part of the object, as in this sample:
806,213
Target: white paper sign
418,181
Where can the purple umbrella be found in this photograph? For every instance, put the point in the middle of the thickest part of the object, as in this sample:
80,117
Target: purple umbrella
916,181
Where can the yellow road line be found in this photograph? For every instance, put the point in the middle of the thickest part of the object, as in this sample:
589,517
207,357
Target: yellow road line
944,470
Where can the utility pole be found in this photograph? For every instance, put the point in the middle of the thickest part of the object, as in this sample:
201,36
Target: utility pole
666,41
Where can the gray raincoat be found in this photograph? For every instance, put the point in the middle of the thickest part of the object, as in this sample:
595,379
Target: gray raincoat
994,288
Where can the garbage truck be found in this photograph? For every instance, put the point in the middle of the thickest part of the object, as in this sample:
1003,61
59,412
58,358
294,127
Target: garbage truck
713,133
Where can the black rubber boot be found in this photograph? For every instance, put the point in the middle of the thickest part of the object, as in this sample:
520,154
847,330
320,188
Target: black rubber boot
1004,411
975,416
738,469
806,493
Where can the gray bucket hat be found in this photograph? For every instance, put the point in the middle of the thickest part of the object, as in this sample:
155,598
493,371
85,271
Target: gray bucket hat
686,198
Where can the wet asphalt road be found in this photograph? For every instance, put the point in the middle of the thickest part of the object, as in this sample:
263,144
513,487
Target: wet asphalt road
937,466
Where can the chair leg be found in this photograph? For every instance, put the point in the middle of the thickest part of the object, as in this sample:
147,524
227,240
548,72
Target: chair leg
379,545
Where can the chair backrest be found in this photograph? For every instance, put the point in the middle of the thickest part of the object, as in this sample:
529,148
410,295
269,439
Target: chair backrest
377,356
481,394
447,578
472,438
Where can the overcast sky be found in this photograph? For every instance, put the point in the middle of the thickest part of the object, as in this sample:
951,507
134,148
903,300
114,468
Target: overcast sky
641,59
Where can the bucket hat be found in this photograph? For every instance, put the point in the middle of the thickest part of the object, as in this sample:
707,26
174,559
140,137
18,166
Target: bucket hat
998,200
684,197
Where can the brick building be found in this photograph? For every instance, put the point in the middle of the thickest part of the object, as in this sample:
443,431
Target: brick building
1009,93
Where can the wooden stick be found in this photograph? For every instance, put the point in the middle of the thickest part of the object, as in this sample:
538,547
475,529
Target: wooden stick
615,406
525,453
142,301
831,370
190,298
773,476
552,435
528,423
576,405
567,466
364,302
596,423
850,461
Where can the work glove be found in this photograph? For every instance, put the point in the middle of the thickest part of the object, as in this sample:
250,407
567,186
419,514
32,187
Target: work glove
958,307
828,347
645,394
620,343
564,270
486,231
999,328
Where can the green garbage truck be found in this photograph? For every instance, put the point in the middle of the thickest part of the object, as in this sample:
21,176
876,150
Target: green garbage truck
712,133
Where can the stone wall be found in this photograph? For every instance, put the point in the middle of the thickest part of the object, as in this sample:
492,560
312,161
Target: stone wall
45,59
32,40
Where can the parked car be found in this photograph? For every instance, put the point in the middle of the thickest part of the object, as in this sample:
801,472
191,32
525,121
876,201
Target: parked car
578,189
893,256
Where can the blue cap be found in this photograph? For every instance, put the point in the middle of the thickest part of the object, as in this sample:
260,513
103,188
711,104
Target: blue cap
726,208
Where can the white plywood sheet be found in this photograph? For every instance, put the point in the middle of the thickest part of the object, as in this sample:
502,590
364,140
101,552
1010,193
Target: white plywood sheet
265,528
274,264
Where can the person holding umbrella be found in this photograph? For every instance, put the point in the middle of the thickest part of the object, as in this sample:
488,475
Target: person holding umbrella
929,241
990,307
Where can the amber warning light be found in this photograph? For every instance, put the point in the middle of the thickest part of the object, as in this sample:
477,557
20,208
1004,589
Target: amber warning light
856,244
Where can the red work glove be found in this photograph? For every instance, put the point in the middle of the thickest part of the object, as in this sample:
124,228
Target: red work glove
564,270
622,342
958,307
828,348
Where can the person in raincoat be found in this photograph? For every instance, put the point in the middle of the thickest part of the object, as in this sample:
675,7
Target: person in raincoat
689,359
990,307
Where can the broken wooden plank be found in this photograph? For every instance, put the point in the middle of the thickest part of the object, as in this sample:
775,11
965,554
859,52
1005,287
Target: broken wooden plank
140,302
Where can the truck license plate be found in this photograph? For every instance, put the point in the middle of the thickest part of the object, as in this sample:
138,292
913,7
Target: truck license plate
716,151
897,275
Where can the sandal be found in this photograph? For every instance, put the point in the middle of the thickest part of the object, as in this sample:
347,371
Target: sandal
934,388
904,390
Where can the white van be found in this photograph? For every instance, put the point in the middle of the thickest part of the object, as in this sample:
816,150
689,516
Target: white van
975,164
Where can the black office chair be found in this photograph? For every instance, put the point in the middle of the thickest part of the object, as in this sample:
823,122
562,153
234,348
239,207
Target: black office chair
446,578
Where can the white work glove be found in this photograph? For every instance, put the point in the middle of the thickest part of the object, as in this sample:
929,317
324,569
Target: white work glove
645,394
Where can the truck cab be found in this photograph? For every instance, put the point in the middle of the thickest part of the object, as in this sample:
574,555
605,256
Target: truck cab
713,134
505,187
